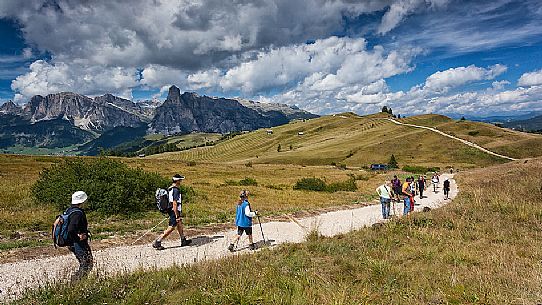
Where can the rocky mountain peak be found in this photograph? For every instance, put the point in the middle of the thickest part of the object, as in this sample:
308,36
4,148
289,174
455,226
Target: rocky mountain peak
11,108
174,93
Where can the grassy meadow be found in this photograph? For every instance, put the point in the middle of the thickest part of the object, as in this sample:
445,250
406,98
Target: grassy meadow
359,141
216,187
216,172
485,247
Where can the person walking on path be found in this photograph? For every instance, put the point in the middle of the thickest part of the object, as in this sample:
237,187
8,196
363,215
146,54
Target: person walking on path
421,186
78,233
243,220
385,194
446,189
396,186
405,191
435,181
175,215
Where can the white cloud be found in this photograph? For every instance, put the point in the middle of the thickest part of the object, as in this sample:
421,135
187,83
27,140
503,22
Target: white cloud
531,79
45,78
159,76
442,81
326,65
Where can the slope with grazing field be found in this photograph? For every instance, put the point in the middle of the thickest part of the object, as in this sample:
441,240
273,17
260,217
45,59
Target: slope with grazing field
483,248
504,141
360,141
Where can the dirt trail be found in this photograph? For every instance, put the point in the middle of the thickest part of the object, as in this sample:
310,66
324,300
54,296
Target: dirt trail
17,277
455,138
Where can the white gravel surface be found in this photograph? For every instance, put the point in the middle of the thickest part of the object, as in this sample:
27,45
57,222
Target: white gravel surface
17,277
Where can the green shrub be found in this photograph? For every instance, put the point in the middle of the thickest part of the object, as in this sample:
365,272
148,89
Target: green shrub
113,188
473,133
248,181
310,184
243,182
319,185
347,186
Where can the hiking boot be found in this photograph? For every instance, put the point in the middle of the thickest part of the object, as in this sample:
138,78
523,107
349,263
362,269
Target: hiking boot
252,247
157,245
185,242
230,247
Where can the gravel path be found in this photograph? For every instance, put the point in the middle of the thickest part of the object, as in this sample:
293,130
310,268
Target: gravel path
487,151
16,277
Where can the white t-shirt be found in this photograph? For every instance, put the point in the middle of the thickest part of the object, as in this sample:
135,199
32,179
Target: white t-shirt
384,191
175,194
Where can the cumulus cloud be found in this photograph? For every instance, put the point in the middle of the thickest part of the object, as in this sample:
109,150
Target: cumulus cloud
531,79
454,77
45,78
325,65
182,34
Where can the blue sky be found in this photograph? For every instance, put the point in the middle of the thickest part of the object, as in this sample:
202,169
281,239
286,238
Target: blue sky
471,58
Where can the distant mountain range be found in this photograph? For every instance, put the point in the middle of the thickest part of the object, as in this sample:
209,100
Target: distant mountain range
66,118
531,124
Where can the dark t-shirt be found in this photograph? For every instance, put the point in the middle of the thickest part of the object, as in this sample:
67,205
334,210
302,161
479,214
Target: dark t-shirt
447,184
77,224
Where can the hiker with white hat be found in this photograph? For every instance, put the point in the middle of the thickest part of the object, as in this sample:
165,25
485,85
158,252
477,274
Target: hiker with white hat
78,234
175,220
446,189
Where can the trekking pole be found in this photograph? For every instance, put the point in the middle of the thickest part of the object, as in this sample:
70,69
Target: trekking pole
261,229
149,231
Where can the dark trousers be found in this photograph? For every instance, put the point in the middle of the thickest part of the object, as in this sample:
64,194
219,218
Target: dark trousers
82,252
421,192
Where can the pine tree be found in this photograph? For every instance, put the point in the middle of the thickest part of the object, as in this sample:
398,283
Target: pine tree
279,148
385,109
392,163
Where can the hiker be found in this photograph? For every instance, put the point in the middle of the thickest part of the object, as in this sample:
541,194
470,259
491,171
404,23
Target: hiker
405,191
451,170
421,185
446,188
78,234
396,186
175,214
435,181
243,220
413,186
385,194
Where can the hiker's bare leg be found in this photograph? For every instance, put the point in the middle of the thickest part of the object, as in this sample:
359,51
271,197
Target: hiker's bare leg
236,239
167,232
250,239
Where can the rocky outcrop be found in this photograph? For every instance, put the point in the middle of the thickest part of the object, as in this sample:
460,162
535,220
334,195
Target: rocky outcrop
10,108
101,113
190,112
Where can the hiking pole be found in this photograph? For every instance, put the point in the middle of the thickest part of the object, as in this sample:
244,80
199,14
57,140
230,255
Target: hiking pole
149,231
261,229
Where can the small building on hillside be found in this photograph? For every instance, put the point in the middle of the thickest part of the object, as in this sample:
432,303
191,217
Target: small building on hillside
269,131
300,133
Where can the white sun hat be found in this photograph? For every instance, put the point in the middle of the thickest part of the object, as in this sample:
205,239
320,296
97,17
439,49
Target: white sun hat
79,197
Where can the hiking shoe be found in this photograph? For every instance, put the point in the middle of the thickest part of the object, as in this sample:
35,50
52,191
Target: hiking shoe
157,245
252,247
230,247
185,242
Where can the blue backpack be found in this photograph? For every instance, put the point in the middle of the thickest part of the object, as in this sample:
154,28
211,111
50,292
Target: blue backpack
59,231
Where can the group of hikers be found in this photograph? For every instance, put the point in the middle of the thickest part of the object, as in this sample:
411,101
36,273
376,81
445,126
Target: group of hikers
75,234
71,228
394,190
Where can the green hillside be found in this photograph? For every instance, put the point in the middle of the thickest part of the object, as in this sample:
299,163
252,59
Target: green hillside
362,140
